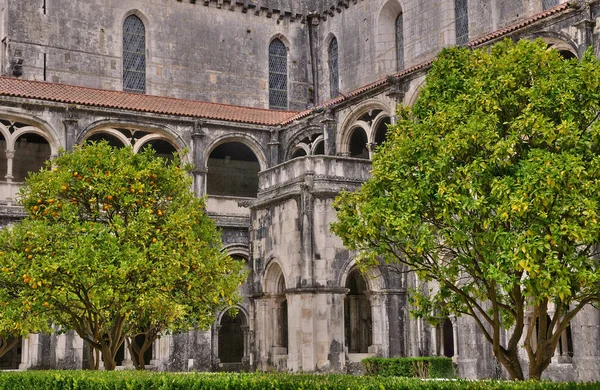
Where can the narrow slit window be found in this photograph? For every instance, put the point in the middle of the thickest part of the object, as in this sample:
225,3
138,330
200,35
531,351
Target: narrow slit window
278,94
461,20
134,55
334,76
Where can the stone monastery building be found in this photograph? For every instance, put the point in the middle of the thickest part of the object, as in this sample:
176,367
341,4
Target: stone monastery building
281,104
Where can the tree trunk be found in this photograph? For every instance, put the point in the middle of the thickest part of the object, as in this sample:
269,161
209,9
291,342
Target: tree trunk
108,358
6,344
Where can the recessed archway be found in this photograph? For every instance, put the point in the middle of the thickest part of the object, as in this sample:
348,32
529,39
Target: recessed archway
358,323
231,337
31,153
233,171
358,143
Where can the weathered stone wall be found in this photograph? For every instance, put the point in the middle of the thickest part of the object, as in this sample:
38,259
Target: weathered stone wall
193,51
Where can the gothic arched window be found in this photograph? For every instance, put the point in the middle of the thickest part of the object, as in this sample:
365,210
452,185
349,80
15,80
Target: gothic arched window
278,98
334,77
400,42
134,55
461,21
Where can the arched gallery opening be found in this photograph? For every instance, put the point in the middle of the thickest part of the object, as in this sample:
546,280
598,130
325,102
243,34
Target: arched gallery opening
233,171
358,143
162,148
11,359
358,323
31,153
111,139
232,341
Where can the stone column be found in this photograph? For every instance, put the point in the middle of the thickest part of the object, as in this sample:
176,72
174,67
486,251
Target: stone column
397,91
10,155
396,309
71,129
127,362
379,329
274,146
25,354
199,172
328,124
454,338
306,212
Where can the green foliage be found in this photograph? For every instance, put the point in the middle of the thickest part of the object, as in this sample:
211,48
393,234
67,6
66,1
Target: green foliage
115,244
490,186
125,380
410,367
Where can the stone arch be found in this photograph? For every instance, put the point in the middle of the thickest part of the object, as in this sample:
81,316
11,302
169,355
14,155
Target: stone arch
353,119
379,128
232,333
117,135
31,151
274,287
317,145
33,125
232,165
240,250
300,150
358,316
558,41
242,138
373,276
166,131
414,91
385,44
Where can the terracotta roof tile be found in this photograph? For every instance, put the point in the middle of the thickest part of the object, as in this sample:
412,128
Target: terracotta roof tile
145,103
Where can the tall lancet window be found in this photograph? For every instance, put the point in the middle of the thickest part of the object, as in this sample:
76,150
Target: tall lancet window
400,42
461,20
134,55
278,94
334,75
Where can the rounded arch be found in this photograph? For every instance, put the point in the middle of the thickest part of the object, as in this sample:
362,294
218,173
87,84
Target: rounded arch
351,120
112,132
373,277
317,144
242,138
302,147
558,41
166,131
35,125
382,117
240,308
414,92
240,250
385,43
273,281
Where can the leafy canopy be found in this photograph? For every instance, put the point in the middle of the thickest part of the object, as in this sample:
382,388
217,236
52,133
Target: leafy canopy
116,243
490,186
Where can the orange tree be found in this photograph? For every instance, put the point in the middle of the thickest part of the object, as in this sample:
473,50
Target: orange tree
490,186
115,244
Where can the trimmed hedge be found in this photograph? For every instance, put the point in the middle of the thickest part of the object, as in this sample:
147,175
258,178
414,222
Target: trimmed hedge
132,380
411,367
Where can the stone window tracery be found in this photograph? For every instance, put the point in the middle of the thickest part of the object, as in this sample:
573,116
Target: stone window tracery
461,20
134,55
278,94
400,42
334,78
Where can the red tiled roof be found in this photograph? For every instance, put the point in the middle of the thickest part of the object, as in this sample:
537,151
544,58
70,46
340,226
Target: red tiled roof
145,103
523,23
171,106
475,42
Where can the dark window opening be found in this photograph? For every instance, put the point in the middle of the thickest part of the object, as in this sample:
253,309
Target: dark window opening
278,98
134,55
448,337
233,171
357,315
3,161
31,153
231,338
320,148
299,153
161,148
358,144
334,79
381,132
566,54
111,139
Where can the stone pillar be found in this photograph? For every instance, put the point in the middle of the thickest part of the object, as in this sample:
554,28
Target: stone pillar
10,155
127,362
454,338
585,31
306,212
199,172
397,91
380,325
329,126
396,309
274,146
71,129
25,354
